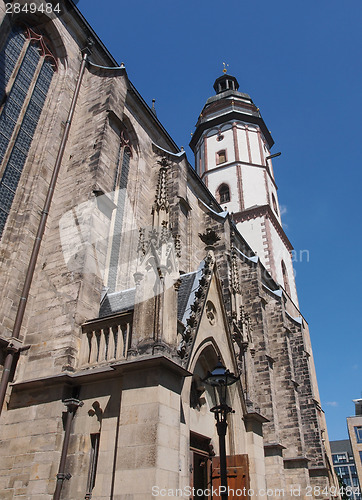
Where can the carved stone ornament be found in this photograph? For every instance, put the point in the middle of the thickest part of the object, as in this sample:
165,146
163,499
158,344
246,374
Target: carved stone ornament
245,324
177,240
158,243
235,283
161,200
210,237
192,322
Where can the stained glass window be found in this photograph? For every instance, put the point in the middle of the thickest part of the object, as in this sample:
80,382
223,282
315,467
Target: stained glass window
25,59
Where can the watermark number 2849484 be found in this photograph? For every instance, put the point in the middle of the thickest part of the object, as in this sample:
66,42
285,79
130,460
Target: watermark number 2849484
37,9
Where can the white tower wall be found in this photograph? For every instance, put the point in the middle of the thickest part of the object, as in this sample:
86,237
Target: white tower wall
242,141
254,189
254,145
227,175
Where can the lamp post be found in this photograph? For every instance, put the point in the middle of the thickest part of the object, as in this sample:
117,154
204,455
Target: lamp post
220,379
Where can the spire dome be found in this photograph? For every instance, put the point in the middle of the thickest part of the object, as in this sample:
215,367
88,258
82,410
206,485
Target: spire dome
225,82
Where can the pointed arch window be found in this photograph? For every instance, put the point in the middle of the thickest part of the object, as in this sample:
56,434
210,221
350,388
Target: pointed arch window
224,193
124,156
221,157
28,67
120,189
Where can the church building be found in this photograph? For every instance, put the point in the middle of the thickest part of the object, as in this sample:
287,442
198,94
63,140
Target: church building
128,275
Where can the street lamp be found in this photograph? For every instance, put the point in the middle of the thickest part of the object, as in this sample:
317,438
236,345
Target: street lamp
220,379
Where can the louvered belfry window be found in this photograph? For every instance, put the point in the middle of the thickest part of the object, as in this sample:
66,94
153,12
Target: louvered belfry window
26,70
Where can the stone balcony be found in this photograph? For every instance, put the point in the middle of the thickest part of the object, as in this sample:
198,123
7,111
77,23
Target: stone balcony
106,340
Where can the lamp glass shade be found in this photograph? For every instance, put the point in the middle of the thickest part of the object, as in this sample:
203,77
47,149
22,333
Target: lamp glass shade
220,378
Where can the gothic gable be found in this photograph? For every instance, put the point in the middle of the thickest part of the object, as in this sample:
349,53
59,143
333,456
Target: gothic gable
202,313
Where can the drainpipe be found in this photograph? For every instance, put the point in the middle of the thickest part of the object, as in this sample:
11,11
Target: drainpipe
9,360
72,405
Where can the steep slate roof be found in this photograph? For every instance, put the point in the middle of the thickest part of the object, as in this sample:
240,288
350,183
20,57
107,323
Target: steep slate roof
123,301
187,284
117,302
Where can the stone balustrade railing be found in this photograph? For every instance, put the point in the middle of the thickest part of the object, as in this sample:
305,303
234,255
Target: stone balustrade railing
106,339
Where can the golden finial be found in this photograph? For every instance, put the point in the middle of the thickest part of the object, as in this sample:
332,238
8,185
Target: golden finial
225,69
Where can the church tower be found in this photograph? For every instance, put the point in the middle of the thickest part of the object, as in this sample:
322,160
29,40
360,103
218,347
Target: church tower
232,146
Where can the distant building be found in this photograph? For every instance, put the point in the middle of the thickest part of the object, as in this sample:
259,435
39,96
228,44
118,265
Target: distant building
345,466
354,425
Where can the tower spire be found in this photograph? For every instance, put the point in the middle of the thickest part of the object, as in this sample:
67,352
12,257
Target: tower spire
232,153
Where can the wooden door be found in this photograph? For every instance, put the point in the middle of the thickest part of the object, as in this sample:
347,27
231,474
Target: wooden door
237,474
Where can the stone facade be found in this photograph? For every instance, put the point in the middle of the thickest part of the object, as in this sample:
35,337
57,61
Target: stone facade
141,284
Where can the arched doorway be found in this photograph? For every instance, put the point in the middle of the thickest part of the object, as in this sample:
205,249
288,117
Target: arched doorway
204,460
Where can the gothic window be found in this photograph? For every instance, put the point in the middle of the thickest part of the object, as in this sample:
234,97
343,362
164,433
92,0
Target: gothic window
28,70
221,157
120,192
124,156
224,193
274,204
285,278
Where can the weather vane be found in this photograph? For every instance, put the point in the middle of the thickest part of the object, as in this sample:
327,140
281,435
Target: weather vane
225,69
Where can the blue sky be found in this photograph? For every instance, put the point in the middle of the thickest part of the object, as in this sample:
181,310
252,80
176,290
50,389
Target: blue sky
301,64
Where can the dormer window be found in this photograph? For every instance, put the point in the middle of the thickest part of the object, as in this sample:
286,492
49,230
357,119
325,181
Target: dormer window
224,193
221,157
